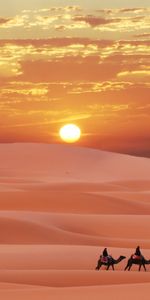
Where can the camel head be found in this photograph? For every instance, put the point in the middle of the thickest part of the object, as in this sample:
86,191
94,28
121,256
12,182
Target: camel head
122,257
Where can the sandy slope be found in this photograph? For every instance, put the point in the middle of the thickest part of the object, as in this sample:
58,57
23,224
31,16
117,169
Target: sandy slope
59,207
54,163
115,292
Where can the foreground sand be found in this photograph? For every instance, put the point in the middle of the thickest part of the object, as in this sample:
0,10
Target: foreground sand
59,207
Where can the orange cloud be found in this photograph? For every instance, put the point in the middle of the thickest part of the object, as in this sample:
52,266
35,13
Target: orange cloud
124,23
135,76
68,18
17,21
75,52
94,21
4,21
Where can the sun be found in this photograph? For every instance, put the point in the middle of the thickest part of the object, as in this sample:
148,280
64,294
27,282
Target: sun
70,133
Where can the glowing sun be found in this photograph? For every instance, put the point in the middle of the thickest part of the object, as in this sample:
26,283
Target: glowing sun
70,133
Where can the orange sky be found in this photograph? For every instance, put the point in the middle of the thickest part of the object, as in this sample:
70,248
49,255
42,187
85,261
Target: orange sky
81,63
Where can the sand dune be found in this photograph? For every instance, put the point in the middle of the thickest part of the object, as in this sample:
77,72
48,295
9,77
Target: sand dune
54,163
46,228
114,292
59,207
71,278
81,201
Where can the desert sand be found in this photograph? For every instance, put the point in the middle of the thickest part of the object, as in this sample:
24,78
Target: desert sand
60,206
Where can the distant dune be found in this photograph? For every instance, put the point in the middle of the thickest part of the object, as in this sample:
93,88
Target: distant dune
60,205
61,163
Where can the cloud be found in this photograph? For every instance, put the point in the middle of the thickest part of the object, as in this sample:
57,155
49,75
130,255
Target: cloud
17,21
4,21
73,68
98,87
142,35
135,76
34,91
94,21
9,69
133,10
115,23
73,17
44,18
72,8
71,58
122,11
57,42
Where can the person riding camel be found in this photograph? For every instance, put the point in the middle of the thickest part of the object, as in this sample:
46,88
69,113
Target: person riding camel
137,254
105,255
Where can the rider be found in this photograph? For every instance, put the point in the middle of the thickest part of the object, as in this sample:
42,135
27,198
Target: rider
137,253
105,253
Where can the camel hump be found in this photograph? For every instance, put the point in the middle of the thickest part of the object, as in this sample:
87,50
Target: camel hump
105,259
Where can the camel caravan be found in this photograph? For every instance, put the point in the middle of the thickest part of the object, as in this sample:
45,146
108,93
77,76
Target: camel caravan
136,259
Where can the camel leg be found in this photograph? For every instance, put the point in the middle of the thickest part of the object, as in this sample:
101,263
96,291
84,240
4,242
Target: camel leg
108,267
98,265
113,267
144,267
127,266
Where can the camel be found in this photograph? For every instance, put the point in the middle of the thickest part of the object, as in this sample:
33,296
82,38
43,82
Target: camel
141,262
110,262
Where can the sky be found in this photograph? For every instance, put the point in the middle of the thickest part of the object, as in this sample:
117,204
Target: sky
83,62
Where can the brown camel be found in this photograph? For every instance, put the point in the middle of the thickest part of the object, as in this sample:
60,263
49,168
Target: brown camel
139,261
110,262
